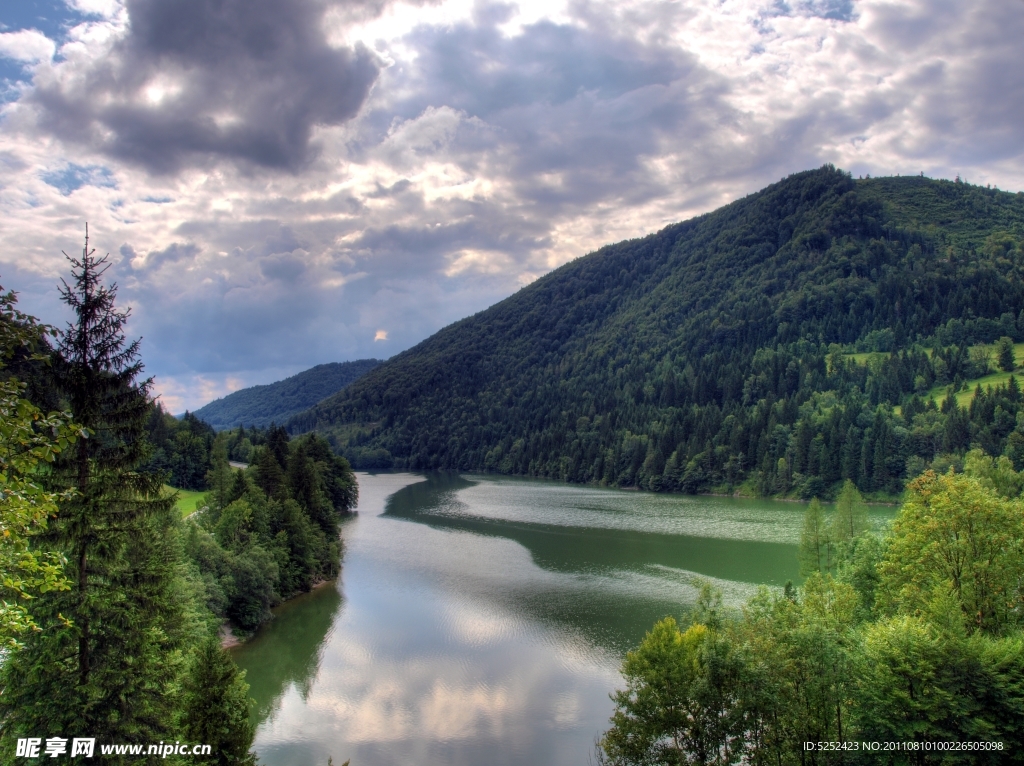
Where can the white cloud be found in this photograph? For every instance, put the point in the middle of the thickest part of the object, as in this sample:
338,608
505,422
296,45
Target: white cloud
26,45
495,144
105,8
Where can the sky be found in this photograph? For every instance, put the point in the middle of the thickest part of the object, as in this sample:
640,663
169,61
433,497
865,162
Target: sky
283,183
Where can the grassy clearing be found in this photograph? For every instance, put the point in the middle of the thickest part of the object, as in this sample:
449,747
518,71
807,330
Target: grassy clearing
187,499
964,397
862,357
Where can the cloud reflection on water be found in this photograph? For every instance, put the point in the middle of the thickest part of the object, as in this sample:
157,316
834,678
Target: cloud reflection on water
472,633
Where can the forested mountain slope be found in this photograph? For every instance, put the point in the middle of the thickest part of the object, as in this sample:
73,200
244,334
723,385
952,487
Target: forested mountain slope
715,352
261,405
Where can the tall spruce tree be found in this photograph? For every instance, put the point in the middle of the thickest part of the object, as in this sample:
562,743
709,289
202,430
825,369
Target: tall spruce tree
113,643
215,709
1004,353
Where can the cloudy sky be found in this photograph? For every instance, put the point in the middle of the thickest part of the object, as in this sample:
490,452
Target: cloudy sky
282,183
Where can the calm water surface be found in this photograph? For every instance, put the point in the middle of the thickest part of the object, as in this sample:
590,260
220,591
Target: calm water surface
482,620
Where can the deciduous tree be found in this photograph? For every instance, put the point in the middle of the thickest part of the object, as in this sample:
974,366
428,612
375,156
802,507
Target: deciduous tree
954,537
29,439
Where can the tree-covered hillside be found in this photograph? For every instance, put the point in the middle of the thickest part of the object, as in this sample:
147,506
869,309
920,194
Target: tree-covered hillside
719,350
276,402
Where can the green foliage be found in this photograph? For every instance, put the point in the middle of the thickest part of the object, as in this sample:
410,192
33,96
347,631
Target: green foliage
276,402
919,640
858,567
681,702
215,707
756,689
181,448
118,644
272,530
851,515
916,684
817,549
799,668
29,440
1004,352
111,646
953,538
712,354
995,474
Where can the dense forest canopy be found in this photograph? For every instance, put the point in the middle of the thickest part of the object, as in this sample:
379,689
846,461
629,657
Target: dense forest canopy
718,351
276,402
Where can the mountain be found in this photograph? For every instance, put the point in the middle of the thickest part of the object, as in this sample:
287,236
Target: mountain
720,351
276,402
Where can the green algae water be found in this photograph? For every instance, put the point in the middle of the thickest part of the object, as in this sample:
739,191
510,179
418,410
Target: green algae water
482,620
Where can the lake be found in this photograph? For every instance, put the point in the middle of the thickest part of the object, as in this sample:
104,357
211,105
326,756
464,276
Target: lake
482,619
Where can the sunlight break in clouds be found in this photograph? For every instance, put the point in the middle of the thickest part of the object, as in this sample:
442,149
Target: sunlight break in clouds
277,179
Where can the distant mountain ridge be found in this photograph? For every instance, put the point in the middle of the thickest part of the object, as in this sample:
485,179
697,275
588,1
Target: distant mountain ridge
718,351
276,402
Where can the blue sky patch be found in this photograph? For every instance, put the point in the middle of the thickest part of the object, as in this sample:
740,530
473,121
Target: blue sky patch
51,17
840,10
74,177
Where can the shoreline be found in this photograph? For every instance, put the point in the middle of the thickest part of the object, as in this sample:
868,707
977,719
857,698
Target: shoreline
228,639
735,495
738,496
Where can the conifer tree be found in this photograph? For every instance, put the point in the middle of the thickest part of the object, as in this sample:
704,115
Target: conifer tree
815,541
851,516
111,645
277,443
219,477
270,475
215,707
1004,352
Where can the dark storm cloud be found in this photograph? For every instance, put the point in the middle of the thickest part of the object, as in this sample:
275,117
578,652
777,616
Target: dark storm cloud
485,73
201,80
285,267
254,328
275,304
173,253
10,163
253,296
574,110
988,113
423,250
970,98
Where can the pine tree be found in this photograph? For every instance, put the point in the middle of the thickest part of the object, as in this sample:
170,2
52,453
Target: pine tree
1004,353
219,478
277,443
106,668
815,541
215,707
851,517
269,475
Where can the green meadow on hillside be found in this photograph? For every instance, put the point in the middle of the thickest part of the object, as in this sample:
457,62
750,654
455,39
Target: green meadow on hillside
187,500
966,394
